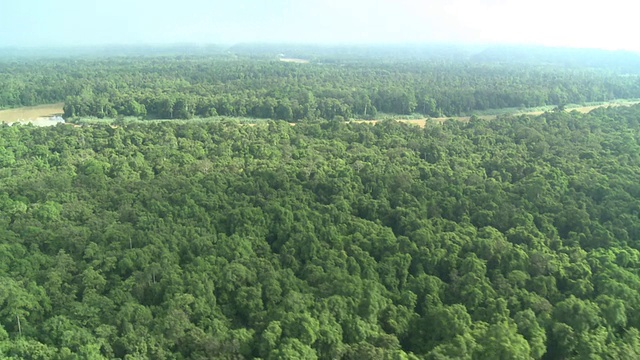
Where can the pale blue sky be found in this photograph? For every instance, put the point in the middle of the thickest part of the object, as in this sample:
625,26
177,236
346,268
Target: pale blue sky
99,22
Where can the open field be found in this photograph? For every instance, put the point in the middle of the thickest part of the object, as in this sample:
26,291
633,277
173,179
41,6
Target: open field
588,108
579,108
294,60
38,115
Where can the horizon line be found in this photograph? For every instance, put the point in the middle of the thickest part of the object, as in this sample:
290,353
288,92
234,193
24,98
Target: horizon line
307,44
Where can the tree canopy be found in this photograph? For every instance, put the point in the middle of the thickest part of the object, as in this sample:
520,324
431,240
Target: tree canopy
508,239
182,87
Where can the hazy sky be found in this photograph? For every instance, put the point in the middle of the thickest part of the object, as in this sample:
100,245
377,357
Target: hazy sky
587,23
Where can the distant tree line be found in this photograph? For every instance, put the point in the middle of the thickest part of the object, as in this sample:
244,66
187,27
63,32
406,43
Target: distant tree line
184,87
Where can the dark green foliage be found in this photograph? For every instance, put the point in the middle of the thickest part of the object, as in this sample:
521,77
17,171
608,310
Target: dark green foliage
187,86
510,239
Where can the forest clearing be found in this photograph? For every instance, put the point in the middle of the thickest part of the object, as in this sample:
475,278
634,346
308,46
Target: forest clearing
294,60
581,109
40,114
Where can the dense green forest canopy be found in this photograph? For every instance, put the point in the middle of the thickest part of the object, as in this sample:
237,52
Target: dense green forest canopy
329,87
510,239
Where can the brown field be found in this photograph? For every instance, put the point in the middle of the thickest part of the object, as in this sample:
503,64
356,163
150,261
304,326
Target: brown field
33,114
